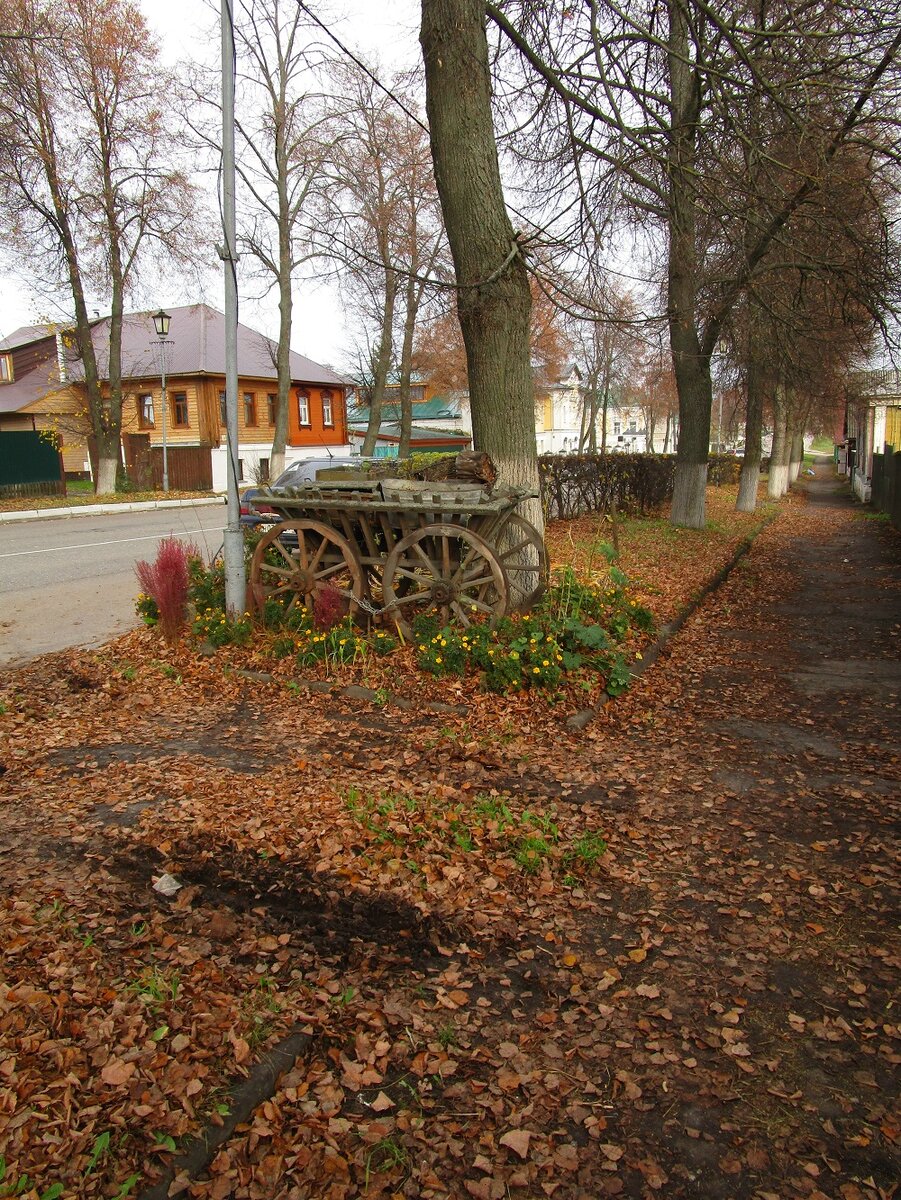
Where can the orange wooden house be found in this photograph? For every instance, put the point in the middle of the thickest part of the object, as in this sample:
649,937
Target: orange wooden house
42,386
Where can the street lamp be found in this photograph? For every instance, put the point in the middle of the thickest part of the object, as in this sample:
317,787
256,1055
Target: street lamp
161,325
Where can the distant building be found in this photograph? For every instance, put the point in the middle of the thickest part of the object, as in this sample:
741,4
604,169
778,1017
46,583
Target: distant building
438,423
872,425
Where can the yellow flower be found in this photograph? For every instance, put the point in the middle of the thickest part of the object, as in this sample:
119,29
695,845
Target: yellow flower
438,658
545,663
536,670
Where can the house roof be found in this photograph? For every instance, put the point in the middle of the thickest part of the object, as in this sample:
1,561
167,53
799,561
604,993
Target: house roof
195,346
25,335
19,393
418,434
438,408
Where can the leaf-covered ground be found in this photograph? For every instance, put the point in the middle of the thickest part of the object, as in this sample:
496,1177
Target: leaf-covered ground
492,1006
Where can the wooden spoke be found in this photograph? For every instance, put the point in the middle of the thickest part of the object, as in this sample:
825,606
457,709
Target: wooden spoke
322,558
446,570
524,558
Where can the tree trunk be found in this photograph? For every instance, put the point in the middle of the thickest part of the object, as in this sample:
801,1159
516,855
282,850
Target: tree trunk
778,480
414,292
750,468
382,365
796,456
693,381
282,358
690,363
651,422
666,432
493,300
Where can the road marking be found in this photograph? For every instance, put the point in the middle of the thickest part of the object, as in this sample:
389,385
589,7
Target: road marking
145,537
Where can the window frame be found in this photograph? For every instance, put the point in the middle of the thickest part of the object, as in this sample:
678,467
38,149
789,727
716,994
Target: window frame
272,407
145,422
179,409
303,407
250,409
328,398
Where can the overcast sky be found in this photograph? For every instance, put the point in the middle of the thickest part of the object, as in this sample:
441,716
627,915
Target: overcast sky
384,29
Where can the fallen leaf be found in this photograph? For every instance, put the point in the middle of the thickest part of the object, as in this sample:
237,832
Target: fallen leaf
517,1140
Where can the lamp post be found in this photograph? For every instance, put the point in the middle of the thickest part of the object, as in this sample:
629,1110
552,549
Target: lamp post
161,325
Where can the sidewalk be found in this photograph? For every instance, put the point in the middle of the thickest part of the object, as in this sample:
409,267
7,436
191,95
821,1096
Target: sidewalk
91,510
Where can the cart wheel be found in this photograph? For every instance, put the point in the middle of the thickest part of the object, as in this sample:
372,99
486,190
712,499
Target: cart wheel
524,557
297,559
447,570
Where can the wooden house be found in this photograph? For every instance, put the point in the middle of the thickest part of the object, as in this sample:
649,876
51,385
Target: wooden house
42,387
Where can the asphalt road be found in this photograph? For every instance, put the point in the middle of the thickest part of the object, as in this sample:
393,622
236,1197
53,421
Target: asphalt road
71,581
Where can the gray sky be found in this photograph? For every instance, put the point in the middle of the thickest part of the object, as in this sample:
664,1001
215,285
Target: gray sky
386,30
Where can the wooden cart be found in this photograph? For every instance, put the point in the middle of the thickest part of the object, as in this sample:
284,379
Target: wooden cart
397,548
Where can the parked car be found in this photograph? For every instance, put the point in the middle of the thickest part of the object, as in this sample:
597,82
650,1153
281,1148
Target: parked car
257,513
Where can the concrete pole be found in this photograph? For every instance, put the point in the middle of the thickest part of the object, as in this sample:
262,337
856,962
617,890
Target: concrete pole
233,537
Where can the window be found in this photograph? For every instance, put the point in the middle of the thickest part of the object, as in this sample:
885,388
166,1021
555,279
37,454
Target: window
271,407
264,470
250,408
240,470
617,428
633,426
6,368
180,400
327,409
303,407
222,412
145,411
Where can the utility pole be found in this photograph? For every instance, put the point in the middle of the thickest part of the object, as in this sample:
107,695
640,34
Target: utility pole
233,538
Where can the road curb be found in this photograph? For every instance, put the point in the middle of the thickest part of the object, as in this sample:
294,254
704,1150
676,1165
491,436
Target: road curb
93,510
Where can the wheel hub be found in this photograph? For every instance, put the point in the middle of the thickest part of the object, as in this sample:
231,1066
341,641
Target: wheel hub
442,593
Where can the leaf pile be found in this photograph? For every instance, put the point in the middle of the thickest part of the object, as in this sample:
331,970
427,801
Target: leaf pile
496,1004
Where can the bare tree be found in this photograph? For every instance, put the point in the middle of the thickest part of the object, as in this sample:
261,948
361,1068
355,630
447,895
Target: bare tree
646,105
285,125
384,232
87,182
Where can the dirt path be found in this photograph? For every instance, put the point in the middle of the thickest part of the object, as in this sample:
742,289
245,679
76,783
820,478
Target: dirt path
713,1013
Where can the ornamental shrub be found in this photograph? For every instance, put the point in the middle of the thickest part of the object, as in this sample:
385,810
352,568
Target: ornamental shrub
166,581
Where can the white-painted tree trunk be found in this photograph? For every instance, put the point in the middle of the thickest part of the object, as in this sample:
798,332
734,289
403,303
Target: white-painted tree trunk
276,464
105,484
778,479
797,456
747,487
689,495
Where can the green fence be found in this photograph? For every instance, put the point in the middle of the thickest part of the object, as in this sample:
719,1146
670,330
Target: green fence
30,465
